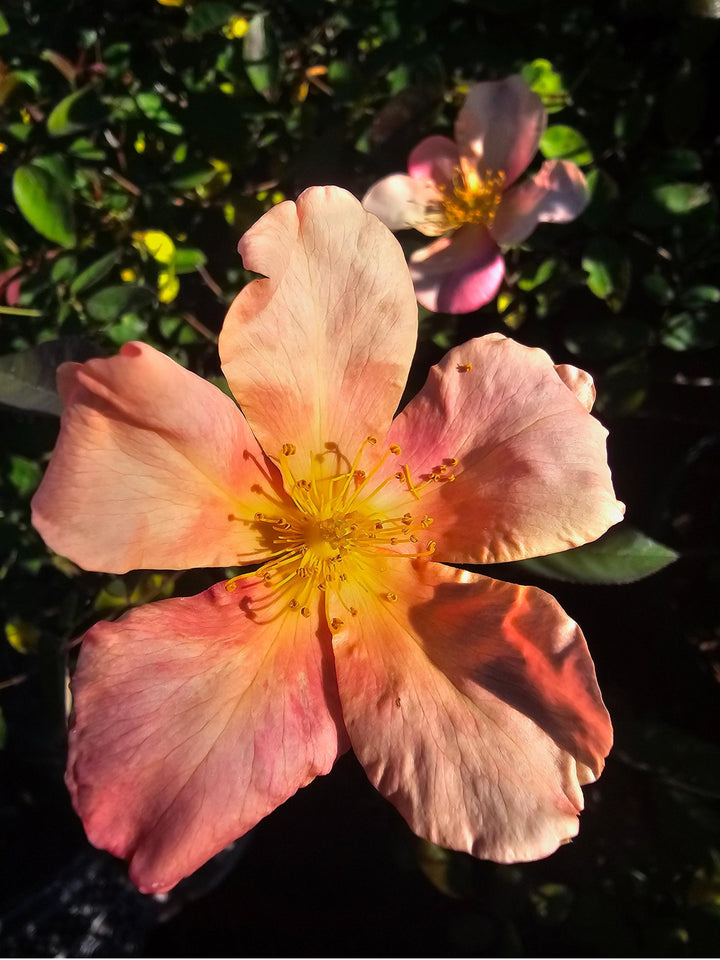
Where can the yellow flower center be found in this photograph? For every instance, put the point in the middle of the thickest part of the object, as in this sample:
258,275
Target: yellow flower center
472,198
336,527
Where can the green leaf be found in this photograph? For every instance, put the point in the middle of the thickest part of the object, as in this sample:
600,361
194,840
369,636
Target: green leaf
27,379
188,260
4,26
46,203
682,198
24,475
703,295
690,331
111,303
260,53
129,327
622,555
560,142
21,635
658,288
117,593
679,758
192,178
543,80
206,17
75,112
94,273
608,269
541,275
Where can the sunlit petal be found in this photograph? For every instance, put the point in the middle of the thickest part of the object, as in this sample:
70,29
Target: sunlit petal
531,474
319,352
154,468
458,274
401,202
557,193
194,718
473,706
499,126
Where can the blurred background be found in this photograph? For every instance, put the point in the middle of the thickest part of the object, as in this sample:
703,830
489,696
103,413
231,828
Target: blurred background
138,140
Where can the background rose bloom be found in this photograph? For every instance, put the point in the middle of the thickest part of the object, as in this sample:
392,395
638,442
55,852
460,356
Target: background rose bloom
470,702
462,191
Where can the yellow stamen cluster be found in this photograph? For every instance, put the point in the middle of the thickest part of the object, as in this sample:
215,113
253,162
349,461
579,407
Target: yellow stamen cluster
333,529
473,198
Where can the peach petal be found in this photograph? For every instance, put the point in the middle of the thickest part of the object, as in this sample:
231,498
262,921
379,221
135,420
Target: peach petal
472,705
458,274
402,202
532,476
154,468
434,158
557,193
319,352
499,126
580,382
193,719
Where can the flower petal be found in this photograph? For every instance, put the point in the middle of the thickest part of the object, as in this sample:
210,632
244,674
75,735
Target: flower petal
557,193
532,476
154,467
319,352
402,202
458,274
193,719
579,381
499,126
473,706
434,158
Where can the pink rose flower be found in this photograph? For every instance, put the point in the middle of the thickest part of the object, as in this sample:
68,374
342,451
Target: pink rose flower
471,703
462,192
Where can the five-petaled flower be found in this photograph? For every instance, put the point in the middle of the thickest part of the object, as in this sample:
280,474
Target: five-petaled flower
461,191
471,703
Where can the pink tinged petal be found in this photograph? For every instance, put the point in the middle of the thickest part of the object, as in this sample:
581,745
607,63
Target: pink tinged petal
458,274
435,158
531,477
580,382
319,352
193,719
402,202
473,706
499,126
557,193
154,468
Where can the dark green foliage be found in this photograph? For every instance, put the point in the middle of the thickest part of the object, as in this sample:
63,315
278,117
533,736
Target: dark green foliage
127,116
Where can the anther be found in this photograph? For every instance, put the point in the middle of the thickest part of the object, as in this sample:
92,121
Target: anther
451,461
413,538
336,623
359,476
305,611
399,475
259,517
426,521
392,597
394,448
293,604
464,367
353,612
288,449
372,440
